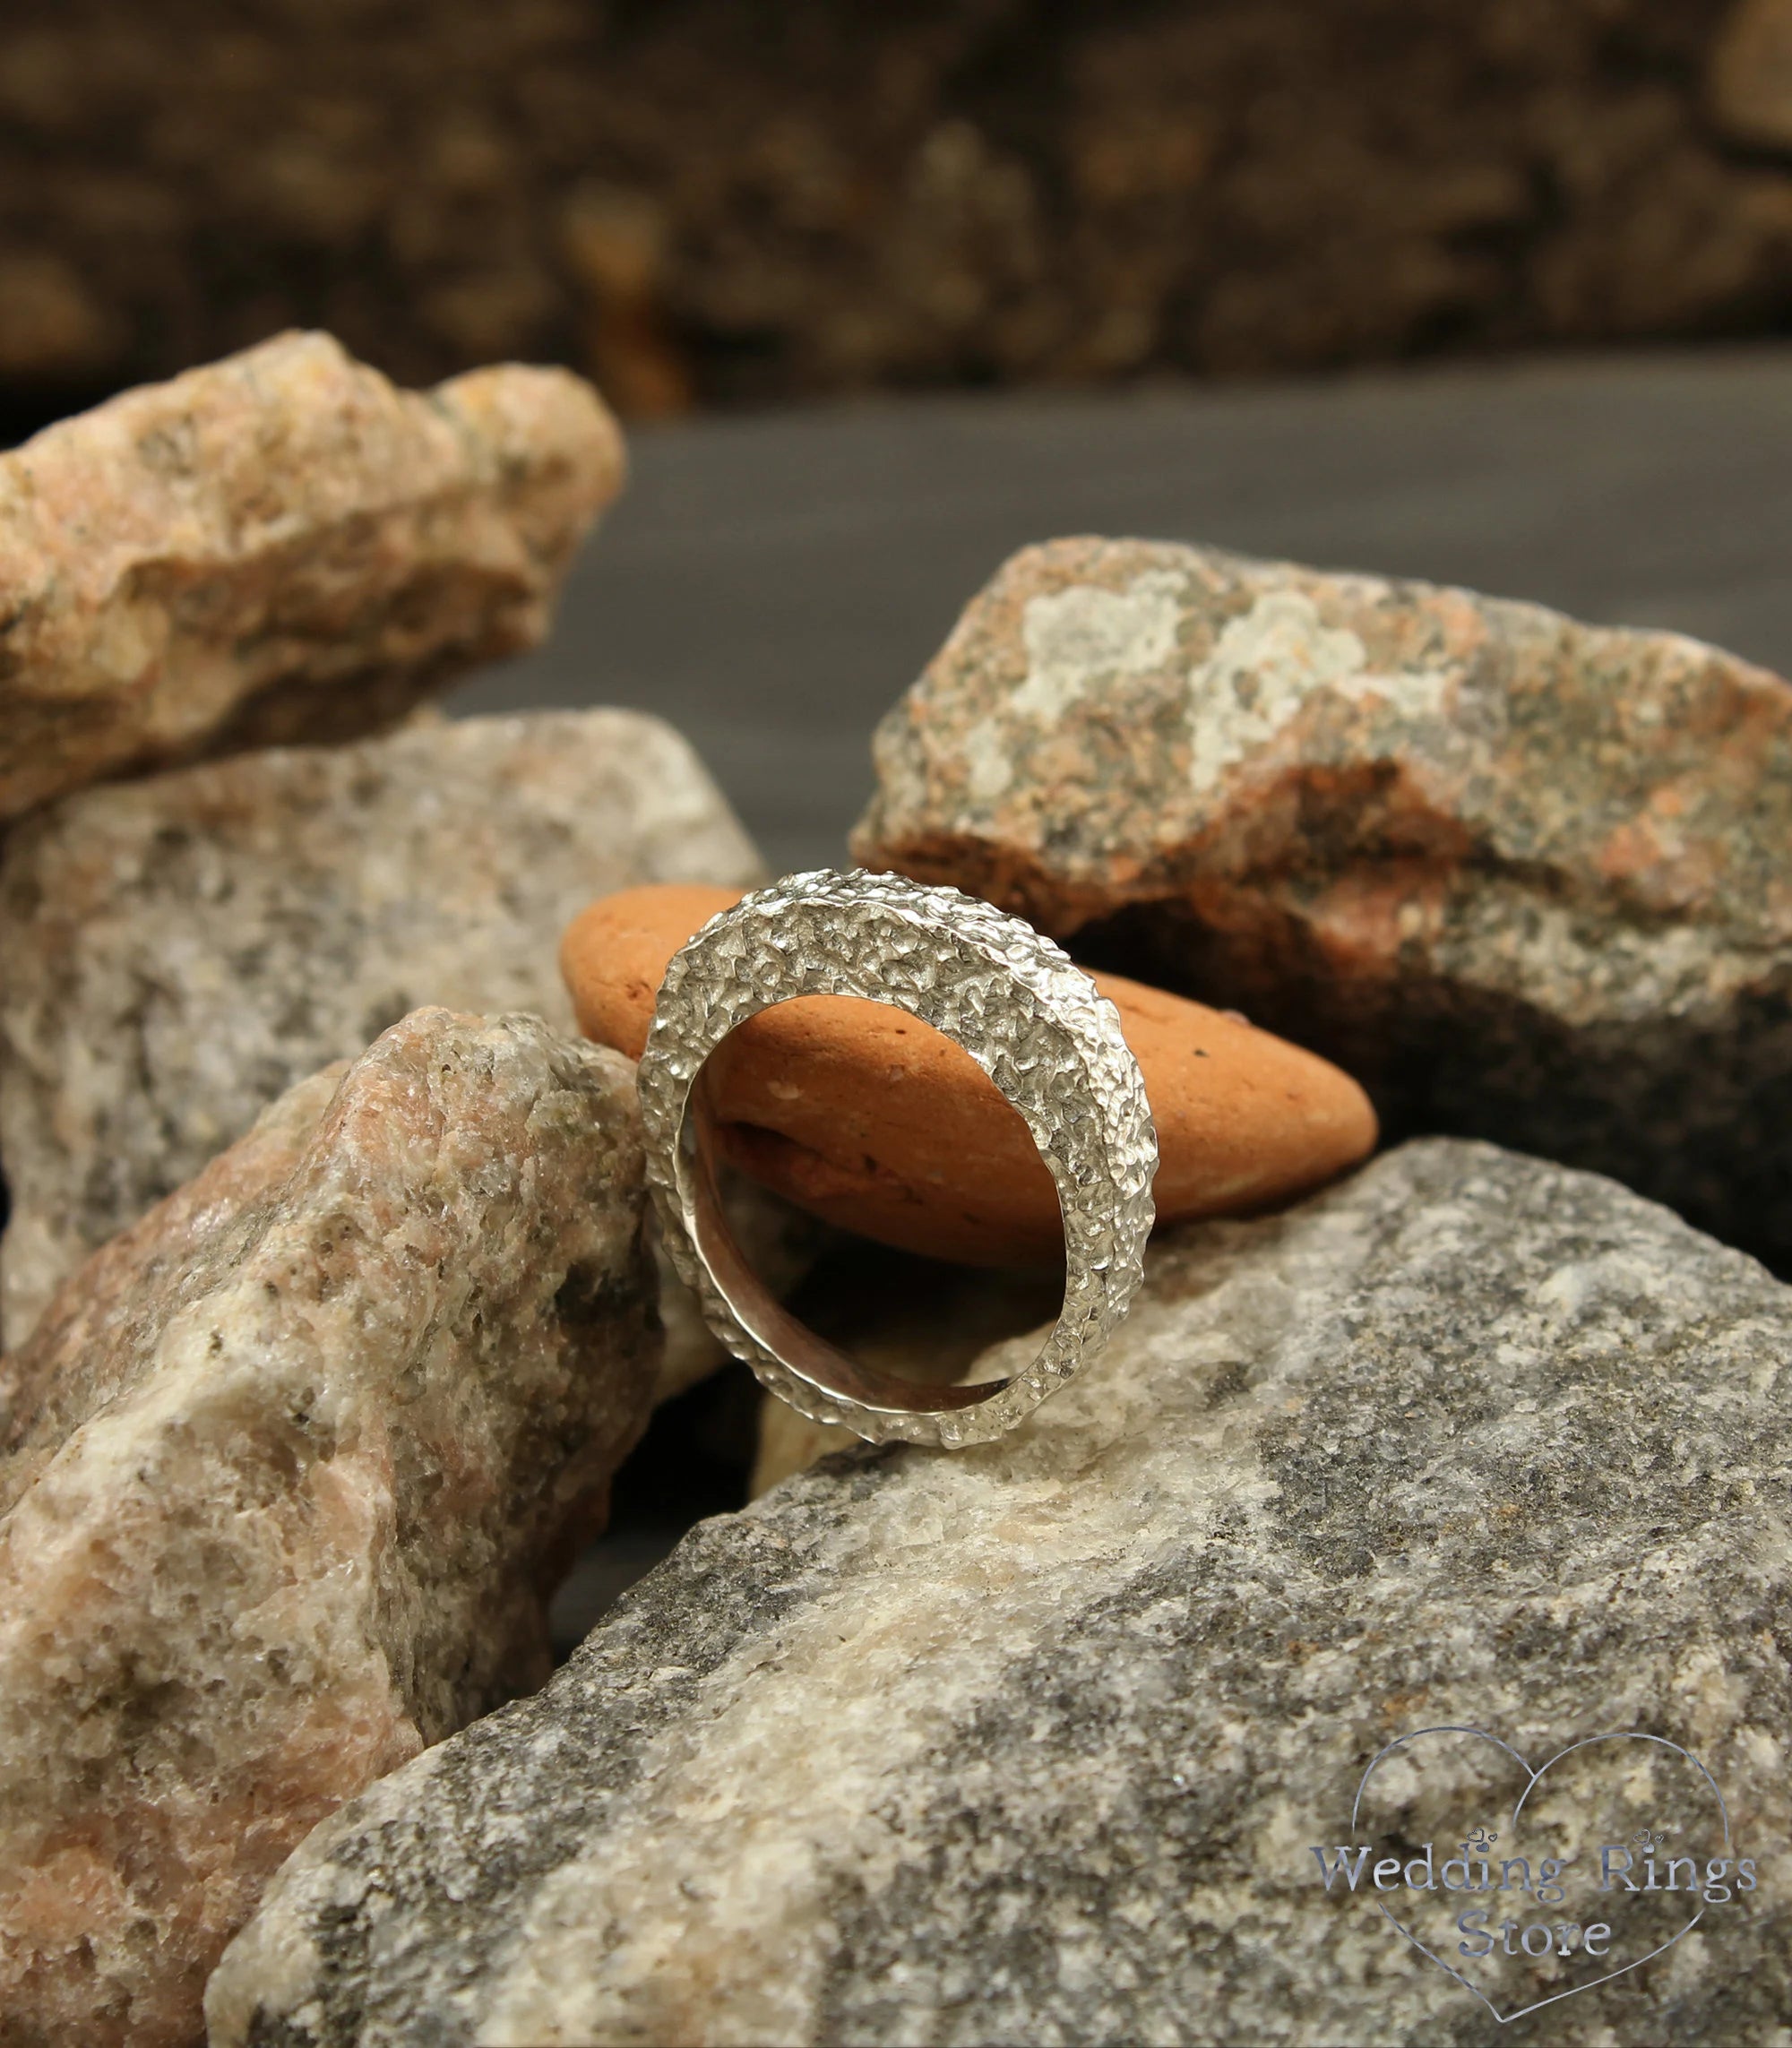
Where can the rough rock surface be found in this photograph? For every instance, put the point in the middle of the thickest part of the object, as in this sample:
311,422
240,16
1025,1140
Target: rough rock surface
278,545
1031,1742
1527,879
877,1123
181,949
153,1251
290,1470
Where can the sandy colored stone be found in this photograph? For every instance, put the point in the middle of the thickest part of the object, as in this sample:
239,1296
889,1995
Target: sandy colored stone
1029,1742
870,1120
1527,879
278,546
292,1468
180,949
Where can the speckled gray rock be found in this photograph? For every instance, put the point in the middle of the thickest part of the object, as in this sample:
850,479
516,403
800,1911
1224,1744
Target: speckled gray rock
275,547
181,949
1528,879
289,1469
1031,1742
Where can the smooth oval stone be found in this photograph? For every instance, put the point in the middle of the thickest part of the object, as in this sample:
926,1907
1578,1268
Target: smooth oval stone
871,1120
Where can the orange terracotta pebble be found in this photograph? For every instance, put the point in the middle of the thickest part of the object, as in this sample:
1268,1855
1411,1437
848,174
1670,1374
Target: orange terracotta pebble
868,1118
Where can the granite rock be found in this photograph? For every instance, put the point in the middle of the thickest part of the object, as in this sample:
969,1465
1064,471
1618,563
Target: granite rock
1526,879
278,546
152,1251
180,949
1031,1742
289,1471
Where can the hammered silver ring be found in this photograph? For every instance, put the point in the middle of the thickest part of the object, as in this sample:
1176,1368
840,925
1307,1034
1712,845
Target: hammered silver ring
1030,1018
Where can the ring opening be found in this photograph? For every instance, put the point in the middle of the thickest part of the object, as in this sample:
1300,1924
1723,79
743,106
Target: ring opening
706,1144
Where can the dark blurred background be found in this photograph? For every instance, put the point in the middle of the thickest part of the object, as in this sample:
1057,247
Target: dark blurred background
719,202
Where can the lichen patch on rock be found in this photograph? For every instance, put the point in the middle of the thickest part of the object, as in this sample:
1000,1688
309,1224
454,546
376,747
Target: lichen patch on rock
1524,878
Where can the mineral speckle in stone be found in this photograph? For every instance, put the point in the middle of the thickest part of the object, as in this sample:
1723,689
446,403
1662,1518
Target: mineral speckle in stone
154,1252
1029,1742
291,1469
179,950
1526,877
278,546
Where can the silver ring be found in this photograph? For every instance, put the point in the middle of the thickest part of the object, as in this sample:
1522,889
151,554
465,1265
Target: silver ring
1034,1023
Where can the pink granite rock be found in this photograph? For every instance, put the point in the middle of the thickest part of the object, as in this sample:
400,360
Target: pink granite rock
277,546
292,1465
180,948
1525,878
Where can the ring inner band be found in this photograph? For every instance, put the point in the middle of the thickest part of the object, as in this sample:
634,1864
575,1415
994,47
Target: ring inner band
811,1358
1035,1024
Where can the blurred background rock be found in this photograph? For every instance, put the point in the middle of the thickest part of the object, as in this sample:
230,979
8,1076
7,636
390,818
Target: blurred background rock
707,202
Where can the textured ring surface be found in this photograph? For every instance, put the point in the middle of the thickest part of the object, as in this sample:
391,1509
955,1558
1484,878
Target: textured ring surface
1031,1020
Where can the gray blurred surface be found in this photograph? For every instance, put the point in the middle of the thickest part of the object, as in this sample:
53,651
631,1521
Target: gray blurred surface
771,584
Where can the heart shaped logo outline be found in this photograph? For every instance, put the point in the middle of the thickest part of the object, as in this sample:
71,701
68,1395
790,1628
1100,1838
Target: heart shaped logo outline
1532,1779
